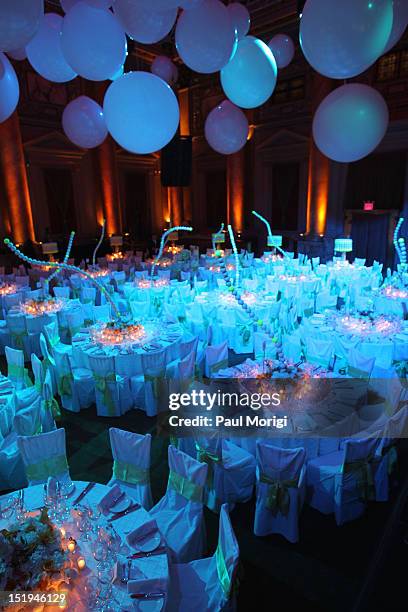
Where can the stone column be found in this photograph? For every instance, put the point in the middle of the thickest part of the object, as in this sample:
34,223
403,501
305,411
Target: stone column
14,173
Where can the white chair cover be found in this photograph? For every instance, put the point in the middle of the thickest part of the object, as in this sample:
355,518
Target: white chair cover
208,585
45,455
280,490
216,358
131,464
16,371
342,482
179,513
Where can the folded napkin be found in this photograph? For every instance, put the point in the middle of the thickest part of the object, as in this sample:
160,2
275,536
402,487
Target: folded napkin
146,585
110,499
142,532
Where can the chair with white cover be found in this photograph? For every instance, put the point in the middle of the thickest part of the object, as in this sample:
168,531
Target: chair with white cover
76,386
131,464
48,362
110,389
88,295
19,338
75,321
16,371
62,292
45,455
50,410
395,429
231,471
216,358
319,352
179,514
53,338
343,482
280,490
264,348
244,333
27,420
155,383
102,314
208,585
359,366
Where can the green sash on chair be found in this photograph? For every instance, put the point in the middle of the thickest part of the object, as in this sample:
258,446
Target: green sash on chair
19,372
130,473
101,384
18,338
222,571
206,456
218,366
158,382
278,498
52,406
245,332
362,472
65,384
189,490
53,466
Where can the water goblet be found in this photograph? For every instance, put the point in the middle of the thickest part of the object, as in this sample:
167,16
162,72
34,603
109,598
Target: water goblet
7,508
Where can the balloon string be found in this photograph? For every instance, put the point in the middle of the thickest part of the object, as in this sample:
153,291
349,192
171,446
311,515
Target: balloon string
99,243
219,232
65,260
163,243
64,266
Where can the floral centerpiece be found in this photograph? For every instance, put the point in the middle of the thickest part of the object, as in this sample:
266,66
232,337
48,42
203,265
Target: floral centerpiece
7,288
31,554
118,333
40,306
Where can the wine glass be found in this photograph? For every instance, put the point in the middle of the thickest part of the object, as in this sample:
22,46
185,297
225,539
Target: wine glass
92,590
7,507
94,514
82,522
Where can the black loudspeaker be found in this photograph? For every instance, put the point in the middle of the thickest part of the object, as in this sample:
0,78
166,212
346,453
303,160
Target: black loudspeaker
176,162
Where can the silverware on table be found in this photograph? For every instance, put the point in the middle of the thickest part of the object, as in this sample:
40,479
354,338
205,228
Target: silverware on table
124,513
81,496
157,595
152,553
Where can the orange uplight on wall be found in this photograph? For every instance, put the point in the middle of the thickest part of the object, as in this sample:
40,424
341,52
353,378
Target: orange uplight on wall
317,191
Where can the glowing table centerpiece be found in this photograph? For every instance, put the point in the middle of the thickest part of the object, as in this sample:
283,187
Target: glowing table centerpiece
384,326
41,306
8,288
394,293
98,272
118,334
144,283
343,246
171,231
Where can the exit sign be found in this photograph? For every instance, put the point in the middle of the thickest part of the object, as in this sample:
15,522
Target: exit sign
368,205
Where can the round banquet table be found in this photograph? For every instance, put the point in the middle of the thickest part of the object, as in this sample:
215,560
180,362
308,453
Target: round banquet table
152,569
128,359
386,346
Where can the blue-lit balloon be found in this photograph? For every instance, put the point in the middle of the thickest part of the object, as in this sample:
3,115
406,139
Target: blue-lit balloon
19,21
68,4
158,5
164,68
18,54
118,74
44,51
350,122
9,88
399,23
249,79
141,112
342,39
83,123
100,4
240,18
189,4
143,22
283,49
226,128
205,36
93,42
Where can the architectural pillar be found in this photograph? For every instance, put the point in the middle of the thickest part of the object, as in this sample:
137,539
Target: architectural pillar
106,171
107,177
319,167
14,172
236,189
176,209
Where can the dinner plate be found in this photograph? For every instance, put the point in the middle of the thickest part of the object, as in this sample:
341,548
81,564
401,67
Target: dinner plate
149,605
148,544
122,505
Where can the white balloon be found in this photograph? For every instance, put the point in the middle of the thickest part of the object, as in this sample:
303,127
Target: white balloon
144,23
19,21
283,49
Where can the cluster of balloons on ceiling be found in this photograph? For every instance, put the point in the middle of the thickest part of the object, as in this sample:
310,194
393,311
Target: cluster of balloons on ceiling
340,40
